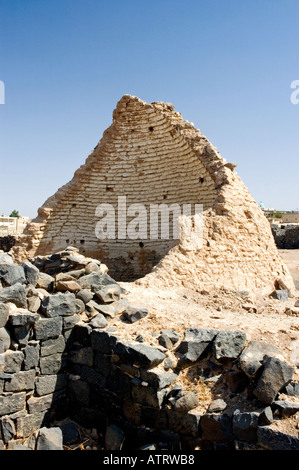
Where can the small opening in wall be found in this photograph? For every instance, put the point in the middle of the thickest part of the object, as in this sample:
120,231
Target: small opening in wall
151,129
109,188
165,196
201,180
74,205
82,242
141,244
67,240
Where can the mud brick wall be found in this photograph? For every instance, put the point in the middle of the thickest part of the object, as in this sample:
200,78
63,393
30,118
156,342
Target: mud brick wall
152,156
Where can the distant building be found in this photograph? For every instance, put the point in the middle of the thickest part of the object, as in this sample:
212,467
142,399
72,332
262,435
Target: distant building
290,218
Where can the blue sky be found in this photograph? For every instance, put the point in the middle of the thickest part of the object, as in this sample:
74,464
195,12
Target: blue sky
226,65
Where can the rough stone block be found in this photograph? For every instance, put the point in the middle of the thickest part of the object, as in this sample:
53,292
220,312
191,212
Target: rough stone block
82,333
102,363
134,313
31,272
8,429
158,378
31,355
79,392
186,424
245,426
4,313
11,274
92,377
275,376
252,356
228,344
50,439
13,361
148,396
102,341
83,356
50,365
140,354
108,293
4,340
47,384
12,403
98,321
45,281
46,328
272,439
20,381
186,402
53,346
61,304
216,427
15,294
114,438
46,402
195,345
26,425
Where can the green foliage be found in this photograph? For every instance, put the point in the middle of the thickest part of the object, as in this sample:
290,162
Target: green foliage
15,213
275,215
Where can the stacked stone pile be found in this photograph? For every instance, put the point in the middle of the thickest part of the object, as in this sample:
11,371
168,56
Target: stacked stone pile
61,359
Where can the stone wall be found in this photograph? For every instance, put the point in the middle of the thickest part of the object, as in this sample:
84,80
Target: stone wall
286,236
203,388
152,156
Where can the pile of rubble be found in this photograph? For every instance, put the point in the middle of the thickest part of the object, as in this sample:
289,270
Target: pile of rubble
61,358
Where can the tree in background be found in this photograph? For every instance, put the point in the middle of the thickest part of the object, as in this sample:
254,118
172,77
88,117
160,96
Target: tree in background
14,214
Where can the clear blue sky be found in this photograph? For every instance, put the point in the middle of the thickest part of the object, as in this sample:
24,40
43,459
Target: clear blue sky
226,65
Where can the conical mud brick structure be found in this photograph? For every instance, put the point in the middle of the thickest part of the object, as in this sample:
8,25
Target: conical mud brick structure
150,155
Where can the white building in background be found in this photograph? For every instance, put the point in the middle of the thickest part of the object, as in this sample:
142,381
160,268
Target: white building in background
12,225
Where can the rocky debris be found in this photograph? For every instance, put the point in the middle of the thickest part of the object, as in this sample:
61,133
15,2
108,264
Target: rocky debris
98,321
140,354
85,295
70,433
59,305
273,439
168,338
15,294
31,273
186,402
50,439
292,389
275,376
216,427
134,313
67,286
45,281
228,344
6,244
108,293
114,438
61,356
217,405
195,345
282,295
252,356
266,416
285,408
11,274
245,425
